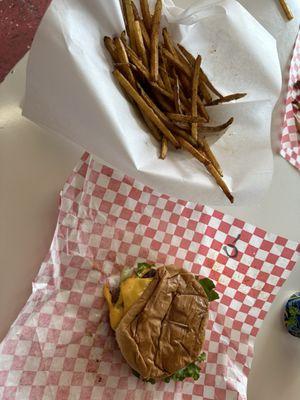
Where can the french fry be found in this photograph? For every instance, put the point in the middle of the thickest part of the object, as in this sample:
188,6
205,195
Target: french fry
163,72
163,148
214,129
208,83
111,48
176,62
203,145
195,85
146,14
163,102
135,11
185,81
166,120
139,41
204,92
145,34
183,126
195,152
156,109
123,37
184,102
169,45
202,109
185,118
183,60
187,54
144,107
152,128
162,91
203,76
208,165
226,99
185,135
177,101
123,8
134,59
210,155
186,85
154,58
165,79
124,61
129,16
188,60
286,10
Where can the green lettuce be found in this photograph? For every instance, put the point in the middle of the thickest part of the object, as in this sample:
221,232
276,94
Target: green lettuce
142,267
209,287
190,371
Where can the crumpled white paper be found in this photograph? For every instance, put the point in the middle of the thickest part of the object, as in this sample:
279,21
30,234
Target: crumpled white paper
70,90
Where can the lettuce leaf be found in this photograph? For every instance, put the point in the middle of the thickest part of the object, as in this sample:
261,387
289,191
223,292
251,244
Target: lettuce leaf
209,287
190,371
142,267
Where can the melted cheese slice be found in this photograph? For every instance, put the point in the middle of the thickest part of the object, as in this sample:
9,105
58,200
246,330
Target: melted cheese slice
130,290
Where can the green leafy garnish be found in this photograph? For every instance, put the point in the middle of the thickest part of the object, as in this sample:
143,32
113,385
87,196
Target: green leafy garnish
201,358
142,267
190,371
209,287
150,380
292,317
135,373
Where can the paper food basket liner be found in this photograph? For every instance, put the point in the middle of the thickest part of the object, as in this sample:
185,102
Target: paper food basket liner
70,90
61,345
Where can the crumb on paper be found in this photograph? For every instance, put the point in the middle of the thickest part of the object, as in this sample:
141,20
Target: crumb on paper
96,265
89,333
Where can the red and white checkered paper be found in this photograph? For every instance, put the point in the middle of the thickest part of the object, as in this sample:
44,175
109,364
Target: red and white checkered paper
290,139
61,345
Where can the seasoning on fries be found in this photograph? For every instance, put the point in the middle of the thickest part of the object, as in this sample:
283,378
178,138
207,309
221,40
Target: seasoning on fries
168,86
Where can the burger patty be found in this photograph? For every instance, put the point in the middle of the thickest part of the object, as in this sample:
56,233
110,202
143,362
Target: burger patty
164,329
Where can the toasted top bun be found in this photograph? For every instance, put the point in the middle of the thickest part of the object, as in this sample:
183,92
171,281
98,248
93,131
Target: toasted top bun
164,329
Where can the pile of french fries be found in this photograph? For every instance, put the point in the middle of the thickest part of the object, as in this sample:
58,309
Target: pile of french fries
167,85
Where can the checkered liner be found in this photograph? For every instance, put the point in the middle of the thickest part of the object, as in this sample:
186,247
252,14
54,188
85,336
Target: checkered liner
61,345
290,139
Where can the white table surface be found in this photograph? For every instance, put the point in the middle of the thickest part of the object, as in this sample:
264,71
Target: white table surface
34,164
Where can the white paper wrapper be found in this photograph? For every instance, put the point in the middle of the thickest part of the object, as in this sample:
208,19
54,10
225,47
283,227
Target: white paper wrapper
70,90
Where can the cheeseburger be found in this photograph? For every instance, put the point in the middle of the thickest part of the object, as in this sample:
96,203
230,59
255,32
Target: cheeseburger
159,317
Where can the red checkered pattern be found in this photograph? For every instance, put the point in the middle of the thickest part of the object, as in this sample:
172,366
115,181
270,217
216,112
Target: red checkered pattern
61,345
290,139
